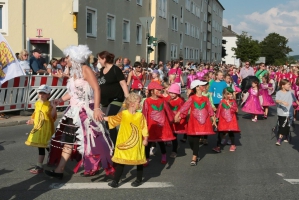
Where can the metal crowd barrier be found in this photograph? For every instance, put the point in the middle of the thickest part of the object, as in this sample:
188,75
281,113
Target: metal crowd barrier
20,93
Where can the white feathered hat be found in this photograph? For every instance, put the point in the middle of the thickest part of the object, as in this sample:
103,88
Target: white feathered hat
78,54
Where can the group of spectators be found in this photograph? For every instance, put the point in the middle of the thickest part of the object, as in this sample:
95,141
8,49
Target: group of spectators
37,64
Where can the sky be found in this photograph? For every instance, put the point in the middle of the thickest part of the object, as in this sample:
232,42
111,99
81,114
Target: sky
260,17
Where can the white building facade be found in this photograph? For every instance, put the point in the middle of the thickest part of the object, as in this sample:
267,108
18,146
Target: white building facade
230,38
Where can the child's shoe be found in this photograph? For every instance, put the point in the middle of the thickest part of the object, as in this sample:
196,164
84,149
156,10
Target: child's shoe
163,160
217,149
286,139
254,120
173,155
136,183
152,151
232,148
36,170
113,184
229,142
278,142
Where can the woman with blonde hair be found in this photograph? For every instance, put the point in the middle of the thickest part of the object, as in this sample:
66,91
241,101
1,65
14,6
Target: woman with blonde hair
23,56
54,69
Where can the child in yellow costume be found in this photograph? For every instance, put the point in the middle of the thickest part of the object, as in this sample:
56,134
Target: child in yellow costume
43,120
131,139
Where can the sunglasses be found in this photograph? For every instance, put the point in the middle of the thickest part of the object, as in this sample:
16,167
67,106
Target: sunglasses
138,67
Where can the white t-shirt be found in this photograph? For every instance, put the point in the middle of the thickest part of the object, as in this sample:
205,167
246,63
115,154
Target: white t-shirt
25,65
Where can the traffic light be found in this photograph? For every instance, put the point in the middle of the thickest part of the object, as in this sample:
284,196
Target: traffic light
149,49
152,40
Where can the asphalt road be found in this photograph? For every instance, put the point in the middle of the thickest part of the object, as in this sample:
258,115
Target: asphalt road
249,173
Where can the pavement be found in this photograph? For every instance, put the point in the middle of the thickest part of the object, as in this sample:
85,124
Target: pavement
258,169
16,119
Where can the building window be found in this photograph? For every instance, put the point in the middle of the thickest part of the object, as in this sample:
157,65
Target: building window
187,28
4,17
191,54
163,8
188,4
177,1
197,33
192,7
173,51
91,22
174,23
197,11
181,41
139,2
182,14
186,53
110,27
126,31
139,34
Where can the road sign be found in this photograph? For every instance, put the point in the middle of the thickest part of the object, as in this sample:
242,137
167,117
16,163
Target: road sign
146,21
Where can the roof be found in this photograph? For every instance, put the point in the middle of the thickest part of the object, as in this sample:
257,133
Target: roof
220,4
226,32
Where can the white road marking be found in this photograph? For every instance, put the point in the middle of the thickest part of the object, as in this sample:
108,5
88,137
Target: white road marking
79,186
292,181
281,174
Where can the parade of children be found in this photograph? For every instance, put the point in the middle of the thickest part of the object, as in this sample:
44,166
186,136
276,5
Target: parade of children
204,113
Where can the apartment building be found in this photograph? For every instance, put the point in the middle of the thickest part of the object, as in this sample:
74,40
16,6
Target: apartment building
191,29
188,29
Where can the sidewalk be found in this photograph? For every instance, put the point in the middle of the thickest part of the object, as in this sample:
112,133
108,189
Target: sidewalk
19,120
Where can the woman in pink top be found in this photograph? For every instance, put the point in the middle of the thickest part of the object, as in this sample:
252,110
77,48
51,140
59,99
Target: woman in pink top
177,72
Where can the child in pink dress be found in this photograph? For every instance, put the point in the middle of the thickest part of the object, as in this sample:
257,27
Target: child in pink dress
266,91
253,101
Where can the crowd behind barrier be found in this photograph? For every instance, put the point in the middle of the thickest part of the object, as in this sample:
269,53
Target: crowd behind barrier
20,93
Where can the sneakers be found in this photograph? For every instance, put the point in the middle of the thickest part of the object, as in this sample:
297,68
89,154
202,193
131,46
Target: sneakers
229,142
173,155
254,120
152,151
113,184
36,170
164,160
286,139
136,183
278,143
232,148
217,149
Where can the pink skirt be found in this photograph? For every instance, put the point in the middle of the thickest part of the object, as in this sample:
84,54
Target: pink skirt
253,106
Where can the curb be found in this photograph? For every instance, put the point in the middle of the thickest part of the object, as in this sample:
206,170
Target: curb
20,122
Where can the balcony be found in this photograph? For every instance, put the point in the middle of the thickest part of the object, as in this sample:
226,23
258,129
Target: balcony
208,45
209,28
209,9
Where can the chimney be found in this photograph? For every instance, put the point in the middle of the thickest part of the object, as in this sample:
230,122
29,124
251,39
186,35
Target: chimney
229,27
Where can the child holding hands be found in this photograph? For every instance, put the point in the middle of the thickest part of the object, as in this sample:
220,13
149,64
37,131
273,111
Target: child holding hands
43,120
131,139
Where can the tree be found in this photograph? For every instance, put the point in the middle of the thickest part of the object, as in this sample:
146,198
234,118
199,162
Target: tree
247,49
274,48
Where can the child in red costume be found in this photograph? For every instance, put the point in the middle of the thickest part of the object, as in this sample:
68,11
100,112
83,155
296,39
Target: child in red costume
176,103
199,122
226,113
158,116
